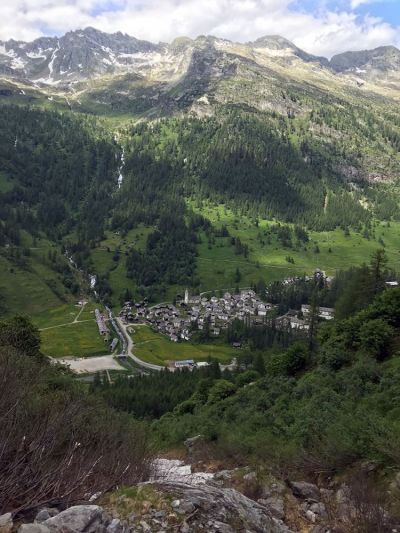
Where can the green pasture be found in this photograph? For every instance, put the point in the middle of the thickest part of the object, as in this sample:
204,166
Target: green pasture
81,339
155,348
217,263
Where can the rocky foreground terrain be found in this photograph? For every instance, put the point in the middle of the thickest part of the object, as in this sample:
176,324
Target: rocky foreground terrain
180,499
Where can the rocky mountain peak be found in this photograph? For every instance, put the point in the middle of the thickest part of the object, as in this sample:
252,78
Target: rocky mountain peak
383,59
89,53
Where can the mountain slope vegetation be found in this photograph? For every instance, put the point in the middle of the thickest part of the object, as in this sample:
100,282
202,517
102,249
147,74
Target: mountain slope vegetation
263,130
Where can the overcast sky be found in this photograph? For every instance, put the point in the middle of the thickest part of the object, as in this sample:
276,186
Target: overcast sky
322,27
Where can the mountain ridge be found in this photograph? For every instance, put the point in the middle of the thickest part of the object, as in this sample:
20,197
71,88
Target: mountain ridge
90,53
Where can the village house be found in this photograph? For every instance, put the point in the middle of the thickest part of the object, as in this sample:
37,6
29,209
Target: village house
196,311
328,313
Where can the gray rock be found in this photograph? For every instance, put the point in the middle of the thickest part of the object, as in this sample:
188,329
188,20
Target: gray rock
33,528
302,489
278,487
319,509
343,494
86,518
223,509
273,489
183,506
275,505
145,526
312,517
132,518
116,526
42,515
224,475
6,523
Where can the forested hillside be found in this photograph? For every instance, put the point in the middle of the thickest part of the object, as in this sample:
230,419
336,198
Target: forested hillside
58,166
318,402
59,182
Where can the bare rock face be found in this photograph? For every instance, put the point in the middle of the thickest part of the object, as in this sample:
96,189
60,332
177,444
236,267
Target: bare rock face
45,514
213,509
305,490
86,518
33,528
78,519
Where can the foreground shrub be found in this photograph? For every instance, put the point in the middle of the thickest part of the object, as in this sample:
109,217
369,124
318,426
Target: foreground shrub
57,442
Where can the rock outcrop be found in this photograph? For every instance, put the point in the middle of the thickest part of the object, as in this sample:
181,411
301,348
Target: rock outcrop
193,508
212,509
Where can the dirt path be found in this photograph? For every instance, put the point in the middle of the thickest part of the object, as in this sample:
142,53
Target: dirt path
67,324
80,312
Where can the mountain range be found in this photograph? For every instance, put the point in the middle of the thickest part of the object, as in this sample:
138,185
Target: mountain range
89,53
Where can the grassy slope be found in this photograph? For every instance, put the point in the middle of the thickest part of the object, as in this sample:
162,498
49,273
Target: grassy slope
81,339
62,337
156,348
35,287
217,265
25,292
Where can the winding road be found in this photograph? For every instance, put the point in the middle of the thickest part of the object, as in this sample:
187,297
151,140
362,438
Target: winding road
127,343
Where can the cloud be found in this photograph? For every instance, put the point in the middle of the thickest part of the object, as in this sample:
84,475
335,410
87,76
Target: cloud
322,31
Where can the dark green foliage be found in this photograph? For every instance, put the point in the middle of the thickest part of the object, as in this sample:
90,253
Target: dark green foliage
240,159
155,395
355,288
19,333
61,165
338,407
58,443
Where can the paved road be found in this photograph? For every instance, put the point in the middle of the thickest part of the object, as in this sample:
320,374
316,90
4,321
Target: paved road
128,345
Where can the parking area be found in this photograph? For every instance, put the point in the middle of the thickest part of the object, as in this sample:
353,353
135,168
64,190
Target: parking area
90,365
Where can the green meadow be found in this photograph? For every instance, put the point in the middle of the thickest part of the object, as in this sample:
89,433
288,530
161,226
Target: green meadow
80,339
217,263
155,348
70,330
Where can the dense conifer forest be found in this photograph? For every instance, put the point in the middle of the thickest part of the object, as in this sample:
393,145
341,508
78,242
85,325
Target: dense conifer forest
59,172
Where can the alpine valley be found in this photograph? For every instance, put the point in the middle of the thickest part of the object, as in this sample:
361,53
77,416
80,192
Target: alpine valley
230,212
214,134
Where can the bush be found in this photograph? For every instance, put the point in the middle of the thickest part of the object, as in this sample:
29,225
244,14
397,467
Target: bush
57,443
247,377
220,390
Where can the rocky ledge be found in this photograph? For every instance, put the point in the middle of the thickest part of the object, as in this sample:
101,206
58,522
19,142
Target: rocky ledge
191,509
